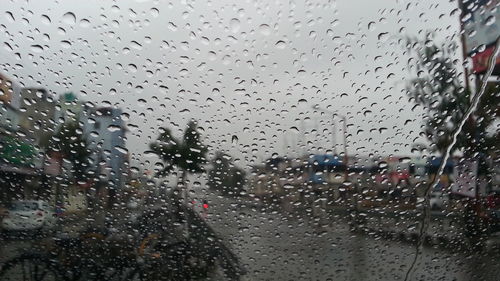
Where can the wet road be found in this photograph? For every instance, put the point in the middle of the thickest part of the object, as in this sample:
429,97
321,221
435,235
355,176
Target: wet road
276,246
273,245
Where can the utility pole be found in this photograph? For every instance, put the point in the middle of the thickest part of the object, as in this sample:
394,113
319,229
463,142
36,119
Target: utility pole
346,159
344,129
334,138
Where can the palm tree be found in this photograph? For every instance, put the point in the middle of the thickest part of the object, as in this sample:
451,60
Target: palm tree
72,145
188,155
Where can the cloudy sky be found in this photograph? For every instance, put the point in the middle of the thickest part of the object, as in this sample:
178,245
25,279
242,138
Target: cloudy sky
246,70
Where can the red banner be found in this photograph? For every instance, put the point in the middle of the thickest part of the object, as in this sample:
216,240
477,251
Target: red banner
480,60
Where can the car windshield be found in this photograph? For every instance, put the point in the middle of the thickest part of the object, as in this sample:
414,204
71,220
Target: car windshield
23,206
249,140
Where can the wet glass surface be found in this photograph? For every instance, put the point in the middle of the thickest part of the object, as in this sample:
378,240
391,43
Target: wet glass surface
249,140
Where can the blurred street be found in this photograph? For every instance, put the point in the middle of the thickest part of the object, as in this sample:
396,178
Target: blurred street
275,246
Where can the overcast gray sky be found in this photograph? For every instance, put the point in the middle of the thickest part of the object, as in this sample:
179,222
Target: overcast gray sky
252,69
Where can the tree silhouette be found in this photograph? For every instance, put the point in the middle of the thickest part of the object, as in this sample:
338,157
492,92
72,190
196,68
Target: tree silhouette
438,89
186,155
70,142
72,145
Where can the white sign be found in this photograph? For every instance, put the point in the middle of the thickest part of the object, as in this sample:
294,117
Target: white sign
465,178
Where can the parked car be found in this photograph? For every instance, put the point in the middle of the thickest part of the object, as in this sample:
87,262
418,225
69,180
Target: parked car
29,215
438,200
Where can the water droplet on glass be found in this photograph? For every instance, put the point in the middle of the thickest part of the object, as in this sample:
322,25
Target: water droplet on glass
490,20
8,47
136,45
172,26
155,12
125,116
9,16
45,19
66,44
235,25
383,36
37,48
121,149
69,18
84,23
280,44
114,128
265,29
132,67
405,160
371,26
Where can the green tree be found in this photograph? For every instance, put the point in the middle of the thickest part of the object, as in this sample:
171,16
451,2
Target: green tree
70,142
186,155
72,146
438,89
225,177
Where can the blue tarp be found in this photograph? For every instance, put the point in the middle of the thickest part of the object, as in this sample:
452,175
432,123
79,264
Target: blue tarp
316,178
433,165
326,160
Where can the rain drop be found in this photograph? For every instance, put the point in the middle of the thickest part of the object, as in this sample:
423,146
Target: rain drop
114,128
37,48
84,23
136,45
265,29
69,18
235,25
66,44
45,19
280,44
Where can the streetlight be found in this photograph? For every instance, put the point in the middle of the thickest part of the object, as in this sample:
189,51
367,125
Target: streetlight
344,121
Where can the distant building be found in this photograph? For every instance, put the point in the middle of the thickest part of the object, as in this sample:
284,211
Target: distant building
71,108
37,108
9,113
19,159
5,89
106,131
9,118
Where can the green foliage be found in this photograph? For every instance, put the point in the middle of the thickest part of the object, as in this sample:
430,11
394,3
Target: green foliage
438,89
187,155
225,177
73,146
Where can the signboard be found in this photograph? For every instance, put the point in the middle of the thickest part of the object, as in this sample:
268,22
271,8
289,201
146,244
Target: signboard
481,26
480,60
5,89
481,23
16,152
465,178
